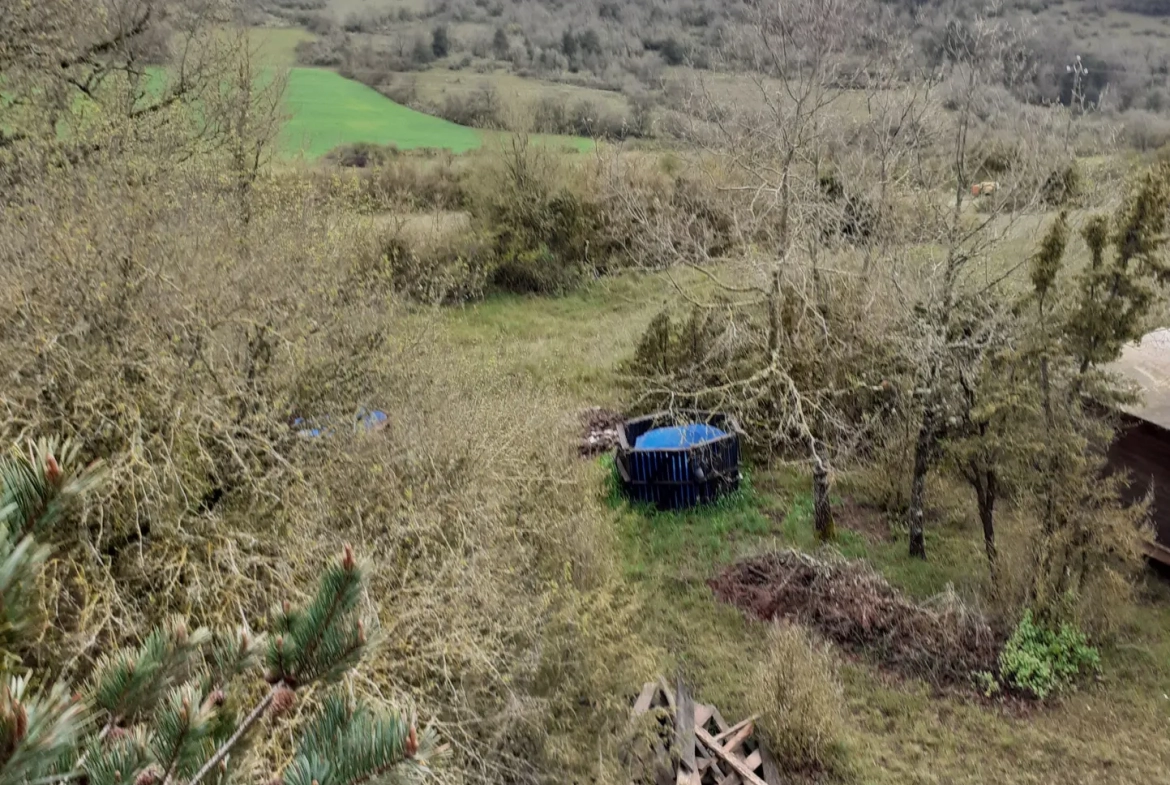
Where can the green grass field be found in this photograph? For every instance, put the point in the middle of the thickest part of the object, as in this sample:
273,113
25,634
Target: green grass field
327,110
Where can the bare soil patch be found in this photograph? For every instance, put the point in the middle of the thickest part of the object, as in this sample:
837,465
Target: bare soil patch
870,522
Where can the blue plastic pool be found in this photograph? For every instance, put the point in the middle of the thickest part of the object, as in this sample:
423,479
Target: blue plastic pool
677,436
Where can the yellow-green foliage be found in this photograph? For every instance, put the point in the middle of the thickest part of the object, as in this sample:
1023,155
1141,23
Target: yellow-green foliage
175,307
799,699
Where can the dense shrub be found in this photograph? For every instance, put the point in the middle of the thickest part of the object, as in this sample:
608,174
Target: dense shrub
850,215
543,245
440,42
362,154
422,54
401,90
418,183
549,116
1062,185
452,271
546,237
1146,131
799,700
1041,661
481,108
326,51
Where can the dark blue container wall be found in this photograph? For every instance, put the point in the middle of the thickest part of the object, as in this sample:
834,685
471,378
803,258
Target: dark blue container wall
679,478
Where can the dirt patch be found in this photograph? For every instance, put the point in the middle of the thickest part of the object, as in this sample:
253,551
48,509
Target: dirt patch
600,431
870,522
942,641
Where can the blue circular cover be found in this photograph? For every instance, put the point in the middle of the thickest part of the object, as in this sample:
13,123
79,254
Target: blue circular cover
677,436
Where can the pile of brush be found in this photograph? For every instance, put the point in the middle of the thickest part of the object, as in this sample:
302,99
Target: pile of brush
942,640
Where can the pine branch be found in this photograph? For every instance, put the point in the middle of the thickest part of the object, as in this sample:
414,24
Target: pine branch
19,566
337,596
35,732
351,745
129,683
225,749
180,728
38,487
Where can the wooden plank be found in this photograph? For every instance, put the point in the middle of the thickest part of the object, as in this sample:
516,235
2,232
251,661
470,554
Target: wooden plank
754,760
719,721
668,693
663,768
642,705
707,762
1157,552
737,765
684,728
733,743
736,728
771,770
730,779
702,714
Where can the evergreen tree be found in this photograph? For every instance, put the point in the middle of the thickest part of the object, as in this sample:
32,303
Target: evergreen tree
501,46
179,709
440,42
1118,290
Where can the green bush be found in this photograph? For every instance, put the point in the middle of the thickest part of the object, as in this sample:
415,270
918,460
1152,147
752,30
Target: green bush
546,238
1041,661
1062,185
451,272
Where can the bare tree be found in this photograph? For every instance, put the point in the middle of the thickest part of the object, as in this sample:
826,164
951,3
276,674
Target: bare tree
784,341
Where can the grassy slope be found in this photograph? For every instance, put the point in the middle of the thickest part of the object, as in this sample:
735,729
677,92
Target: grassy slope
328,110
1115,732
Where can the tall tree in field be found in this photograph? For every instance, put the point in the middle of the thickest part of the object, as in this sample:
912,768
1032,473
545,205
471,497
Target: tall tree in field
959,291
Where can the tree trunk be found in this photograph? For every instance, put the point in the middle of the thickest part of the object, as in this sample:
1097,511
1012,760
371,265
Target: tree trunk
822,510
922,450
985,492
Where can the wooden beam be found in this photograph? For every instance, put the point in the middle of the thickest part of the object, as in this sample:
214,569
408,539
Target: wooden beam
684,729
736,728
702,714
736,764
771,770
1157,552
667,693
754,760
642,705
733,743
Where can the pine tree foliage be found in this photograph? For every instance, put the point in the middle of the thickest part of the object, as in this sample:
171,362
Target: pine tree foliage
349,744
1118,289
36,488
173,710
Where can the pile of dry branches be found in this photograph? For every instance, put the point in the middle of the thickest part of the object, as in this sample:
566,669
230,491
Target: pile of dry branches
942,641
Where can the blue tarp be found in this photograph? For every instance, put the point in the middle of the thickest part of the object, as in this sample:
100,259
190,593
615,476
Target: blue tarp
677,436
369,420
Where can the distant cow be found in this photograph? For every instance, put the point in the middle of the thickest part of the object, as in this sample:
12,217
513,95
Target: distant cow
984,189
